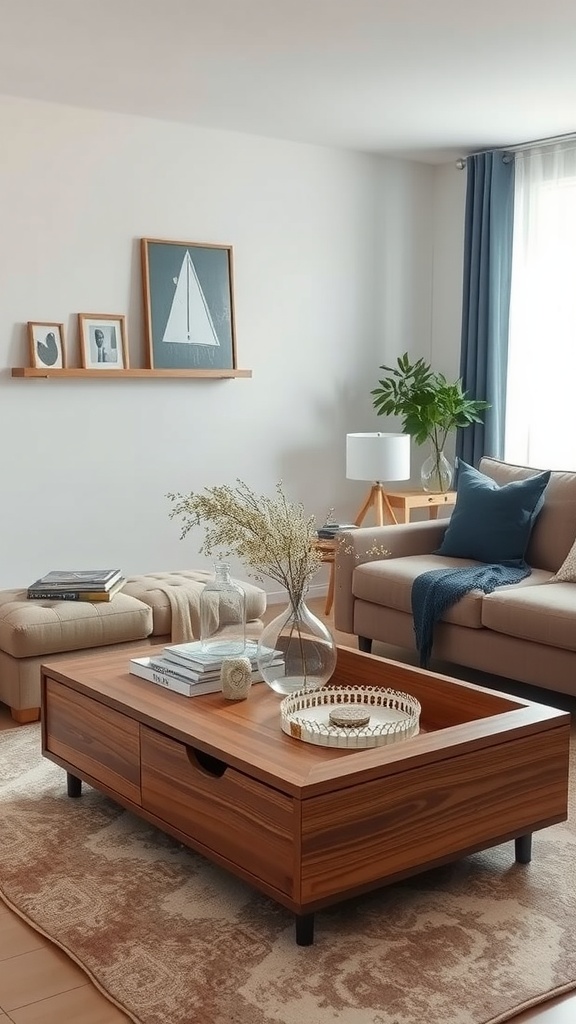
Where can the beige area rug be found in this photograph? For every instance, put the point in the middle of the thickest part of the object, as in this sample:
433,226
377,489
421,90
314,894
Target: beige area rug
173,940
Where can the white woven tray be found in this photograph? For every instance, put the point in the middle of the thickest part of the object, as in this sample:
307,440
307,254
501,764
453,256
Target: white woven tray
394,716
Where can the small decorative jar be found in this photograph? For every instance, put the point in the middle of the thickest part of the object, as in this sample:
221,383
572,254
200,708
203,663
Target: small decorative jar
236,678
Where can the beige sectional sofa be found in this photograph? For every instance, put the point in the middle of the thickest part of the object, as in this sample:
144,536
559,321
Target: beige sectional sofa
525,632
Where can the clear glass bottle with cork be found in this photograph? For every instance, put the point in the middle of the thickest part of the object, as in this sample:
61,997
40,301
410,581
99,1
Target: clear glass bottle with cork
223,615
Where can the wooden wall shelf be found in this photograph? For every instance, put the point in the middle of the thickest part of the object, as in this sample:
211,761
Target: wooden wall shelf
33,371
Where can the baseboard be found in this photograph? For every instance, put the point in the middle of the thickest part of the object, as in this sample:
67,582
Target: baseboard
280,597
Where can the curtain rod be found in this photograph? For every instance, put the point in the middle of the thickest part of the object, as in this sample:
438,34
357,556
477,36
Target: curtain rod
461,162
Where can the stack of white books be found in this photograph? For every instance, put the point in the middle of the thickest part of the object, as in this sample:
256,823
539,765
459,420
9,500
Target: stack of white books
187,669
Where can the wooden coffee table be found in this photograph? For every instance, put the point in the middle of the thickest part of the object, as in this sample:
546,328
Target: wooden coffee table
305,824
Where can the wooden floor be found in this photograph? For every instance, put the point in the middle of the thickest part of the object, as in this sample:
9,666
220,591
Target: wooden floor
39,984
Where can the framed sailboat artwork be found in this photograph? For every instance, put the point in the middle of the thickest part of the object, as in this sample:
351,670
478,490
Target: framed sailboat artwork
188,305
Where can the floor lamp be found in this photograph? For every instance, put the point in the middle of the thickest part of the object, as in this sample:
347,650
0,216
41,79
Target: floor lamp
377,457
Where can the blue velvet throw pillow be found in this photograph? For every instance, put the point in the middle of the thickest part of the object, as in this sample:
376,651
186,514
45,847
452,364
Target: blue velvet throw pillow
492,523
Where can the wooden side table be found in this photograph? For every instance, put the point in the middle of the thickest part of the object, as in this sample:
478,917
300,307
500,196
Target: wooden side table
327,549
404,501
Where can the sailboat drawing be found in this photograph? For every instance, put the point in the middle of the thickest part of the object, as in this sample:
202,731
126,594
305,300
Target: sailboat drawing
189,321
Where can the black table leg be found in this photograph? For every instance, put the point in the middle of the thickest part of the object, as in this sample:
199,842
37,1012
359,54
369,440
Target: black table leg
523,848
364,644
304,929
74,785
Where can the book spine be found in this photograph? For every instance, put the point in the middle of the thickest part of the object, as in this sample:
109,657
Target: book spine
191,655
76,582
184,666
179,684
69,595
171,682
181,671
192,666
201,666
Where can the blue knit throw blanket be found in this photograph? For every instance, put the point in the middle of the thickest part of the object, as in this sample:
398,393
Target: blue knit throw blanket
435,591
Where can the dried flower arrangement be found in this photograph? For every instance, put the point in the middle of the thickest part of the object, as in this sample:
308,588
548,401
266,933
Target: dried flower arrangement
272,536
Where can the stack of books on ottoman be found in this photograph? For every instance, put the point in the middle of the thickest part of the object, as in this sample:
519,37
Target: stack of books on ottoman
191,671
77,585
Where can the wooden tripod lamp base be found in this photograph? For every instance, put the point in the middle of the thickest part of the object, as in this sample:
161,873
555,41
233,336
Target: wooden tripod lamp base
377,457
377,499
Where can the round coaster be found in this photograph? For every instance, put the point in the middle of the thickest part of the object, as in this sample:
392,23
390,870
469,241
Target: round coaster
349,716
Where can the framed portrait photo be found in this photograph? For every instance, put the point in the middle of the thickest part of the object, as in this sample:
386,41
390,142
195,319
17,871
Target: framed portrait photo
103,341
46,345
188,305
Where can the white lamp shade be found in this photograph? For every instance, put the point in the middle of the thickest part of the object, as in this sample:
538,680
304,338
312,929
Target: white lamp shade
378,456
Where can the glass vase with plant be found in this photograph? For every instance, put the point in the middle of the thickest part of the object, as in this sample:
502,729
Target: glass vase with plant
273,537
430,407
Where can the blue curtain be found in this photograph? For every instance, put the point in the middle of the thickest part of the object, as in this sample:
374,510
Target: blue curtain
486,299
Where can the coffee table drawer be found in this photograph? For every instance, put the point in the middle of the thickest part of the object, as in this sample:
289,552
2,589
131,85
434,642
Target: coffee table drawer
95,739
238,817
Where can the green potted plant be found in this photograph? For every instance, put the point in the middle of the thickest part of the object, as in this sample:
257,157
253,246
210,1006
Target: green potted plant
430,407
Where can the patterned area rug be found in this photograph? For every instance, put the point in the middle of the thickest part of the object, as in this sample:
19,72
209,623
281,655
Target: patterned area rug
173,940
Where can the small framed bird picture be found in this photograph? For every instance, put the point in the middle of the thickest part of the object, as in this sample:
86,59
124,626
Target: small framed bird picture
47,345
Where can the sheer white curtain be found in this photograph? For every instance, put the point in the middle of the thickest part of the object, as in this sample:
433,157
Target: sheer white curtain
541,390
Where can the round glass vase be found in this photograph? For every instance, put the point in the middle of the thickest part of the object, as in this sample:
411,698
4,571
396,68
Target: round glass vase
223,615
436,473
296,651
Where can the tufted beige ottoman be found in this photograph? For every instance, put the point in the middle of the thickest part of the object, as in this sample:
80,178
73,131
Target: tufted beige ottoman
153,589
32,631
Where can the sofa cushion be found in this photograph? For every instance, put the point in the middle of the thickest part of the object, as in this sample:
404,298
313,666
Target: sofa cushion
389,583
555,528
35,628
492,522
543,615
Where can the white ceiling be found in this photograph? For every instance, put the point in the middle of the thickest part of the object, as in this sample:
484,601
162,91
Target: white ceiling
425,79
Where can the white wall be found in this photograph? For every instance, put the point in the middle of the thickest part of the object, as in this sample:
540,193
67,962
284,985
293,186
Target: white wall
420,261
86,465
449,208
448,213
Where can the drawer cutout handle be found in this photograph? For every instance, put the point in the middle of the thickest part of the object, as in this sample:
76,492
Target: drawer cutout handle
206,762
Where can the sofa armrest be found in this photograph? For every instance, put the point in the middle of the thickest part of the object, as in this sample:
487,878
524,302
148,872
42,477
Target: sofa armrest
354,547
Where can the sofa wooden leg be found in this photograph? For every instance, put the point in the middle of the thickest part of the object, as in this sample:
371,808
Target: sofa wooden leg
364,644
25,715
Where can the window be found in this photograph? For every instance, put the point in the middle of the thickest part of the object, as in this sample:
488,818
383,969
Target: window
541,380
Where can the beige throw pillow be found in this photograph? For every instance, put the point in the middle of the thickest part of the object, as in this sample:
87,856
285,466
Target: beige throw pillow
567,571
